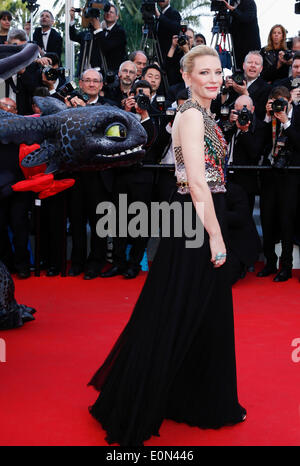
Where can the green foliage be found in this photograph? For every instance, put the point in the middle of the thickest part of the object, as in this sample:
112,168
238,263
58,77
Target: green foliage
131,18
18,11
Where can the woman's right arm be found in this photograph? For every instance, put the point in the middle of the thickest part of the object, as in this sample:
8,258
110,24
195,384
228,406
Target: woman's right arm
191,133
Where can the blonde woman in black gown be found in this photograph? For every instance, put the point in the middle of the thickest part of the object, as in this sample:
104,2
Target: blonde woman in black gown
175,359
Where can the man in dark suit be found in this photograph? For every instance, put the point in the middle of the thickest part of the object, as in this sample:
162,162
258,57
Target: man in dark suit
47,38
107,37
14,206
137,183
111,40
253,86
243,240
244,28
279,187
246,146
292,83
91,188
20,87
168,25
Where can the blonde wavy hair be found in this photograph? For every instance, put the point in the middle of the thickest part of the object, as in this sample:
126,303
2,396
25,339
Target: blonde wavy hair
198,51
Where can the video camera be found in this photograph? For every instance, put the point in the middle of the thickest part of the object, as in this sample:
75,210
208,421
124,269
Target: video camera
31,5
222,18
92,10
218,5
148,11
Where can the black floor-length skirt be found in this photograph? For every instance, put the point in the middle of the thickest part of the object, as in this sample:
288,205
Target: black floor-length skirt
175,359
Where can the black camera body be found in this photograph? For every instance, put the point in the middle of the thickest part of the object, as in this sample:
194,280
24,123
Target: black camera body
244,116
80,95
148,11
238,77
297,7
182,37
67,89
288,55
218,5
279,105
93,9
142,100
52,74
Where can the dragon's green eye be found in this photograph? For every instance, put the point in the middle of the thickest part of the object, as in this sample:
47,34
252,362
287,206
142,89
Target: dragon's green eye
116,131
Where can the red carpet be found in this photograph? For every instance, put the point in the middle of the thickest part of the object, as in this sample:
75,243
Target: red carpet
43,392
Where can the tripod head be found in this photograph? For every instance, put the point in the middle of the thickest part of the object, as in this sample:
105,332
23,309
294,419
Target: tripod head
31,5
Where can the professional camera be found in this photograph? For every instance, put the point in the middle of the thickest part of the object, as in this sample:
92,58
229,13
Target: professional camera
288,55
52,74
279,105
66,89
142,100
244,116
297,7
182,37
31,5
148,10
78,94
92,10
238,77
218,5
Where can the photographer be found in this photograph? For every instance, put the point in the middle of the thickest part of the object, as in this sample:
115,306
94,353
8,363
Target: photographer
87,43
168,20
250,84
181,44
244,28
246,139
292,83
137,183
91,187
279,187
53,77
120,90
47,38
110,37
140,60
275,66
20,87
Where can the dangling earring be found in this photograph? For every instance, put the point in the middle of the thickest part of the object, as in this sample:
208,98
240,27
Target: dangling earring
189,91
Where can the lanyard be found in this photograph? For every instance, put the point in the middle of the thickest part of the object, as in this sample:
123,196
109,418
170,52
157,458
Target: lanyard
276,146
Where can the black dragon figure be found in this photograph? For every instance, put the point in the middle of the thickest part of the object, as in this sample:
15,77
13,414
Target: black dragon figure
70,139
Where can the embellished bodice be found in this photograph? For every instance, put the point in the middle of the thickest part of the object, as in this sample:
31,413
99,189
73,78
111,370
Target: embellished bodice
215,148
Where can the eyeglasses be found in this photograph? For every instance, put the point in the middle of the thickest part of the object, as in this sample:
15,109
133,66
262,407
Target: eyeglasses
94,81
10,107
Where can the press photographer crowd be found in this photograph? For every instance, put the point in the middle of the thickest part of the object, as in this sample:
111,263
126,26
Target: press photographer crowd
257,109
